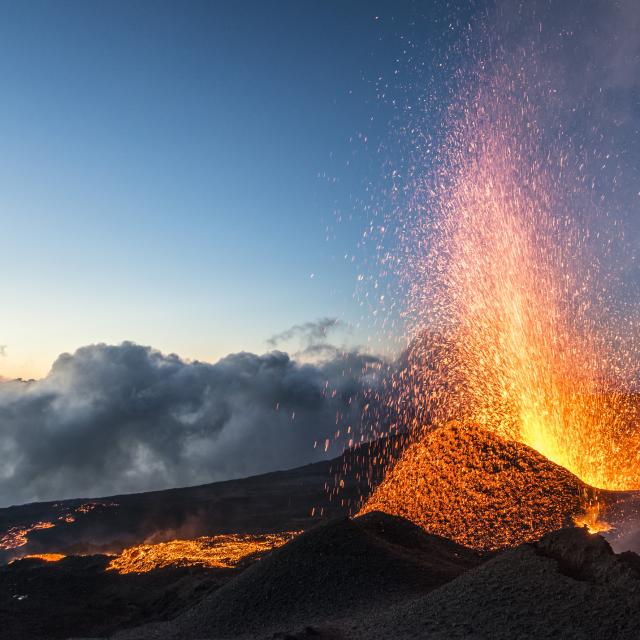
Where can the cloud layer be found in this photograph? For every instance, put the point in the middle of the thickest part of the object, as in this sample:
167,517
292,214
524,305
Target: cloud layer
126,418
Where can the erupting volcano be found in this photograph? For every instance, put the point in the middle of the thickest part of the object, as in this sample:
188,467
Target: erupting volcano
516,322
518,326
476,474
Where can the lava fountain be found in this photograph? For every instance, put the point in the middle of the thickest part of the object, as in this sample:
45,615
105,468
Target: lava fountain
513,316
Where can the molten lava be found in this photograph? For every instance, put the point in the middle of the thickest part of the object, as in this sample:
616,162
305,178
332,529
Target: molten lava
18,536
47,557
222,551
481,490
591,520
87,507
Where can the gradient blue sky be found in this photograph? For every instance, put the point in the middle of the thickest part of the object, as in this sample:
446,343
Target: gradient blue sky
167,169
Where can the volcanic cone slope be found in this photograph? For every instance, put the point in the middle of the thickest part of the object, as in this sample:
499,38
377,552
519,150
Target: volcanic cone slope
482,491
568,585
337,569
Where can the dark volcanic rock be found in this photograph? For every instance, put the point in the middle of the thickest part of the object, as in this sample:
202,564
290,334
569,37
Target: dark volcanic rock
568,585
342,568
77,597
589,557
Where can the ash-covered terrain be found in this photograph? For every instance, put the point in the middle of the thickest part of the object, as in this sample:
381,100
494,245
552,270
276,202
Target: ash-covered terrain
468,536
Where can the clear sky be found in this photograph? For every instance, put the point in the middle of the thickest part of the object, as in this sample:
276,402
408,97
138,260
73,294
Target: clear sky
168,170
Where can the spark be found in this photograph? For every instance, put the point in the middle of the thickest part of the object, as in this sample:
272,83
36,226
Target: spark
513,321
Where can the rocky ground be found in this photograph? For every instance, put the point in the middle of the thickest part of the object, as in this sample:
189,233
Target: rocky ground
377,575
343,568
376,578
77,597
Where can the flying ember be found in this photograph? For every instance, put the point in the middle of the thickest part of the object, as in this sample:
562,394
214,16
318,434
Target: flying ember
514,320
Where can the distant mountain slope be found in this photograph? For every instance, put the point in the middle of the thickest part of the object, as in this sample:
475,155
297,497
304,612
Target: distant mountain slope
289,500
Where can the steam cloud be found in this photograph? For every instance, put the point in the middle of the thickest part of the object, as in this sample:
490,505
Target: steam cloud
116,419
309,332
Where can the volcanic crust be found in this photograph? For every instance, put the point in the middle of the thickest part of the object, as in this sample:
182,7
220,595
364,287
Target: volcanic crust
482,491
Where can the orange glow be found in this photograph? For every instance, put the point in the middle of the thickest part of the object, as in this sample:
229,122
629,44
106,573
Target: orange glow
474,487
90,506
18,536
47,557
514,323
222,551
590,519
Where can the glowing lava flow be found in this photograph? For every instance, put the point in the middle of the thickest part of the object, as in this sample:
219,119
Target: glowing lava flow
222,551
46,557
515,324
18,536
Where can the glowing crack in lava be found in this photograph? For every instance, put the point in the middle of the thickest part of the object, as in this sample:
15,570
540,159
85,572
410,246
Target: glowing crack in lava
512,306
222,551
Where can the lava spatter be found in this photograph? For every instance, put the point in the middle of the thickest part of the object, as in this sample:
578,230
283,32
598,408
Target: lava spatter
480,490
514,318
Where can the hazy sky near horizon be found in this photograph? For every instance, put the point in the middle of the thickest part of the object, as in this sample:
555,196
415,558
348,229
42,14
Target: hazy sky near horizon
171,172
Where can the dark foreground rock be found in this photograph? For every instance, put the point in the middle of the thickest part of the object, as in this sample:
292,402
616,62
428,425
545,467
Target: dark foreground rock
344,568
373,577
568,585
77,597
